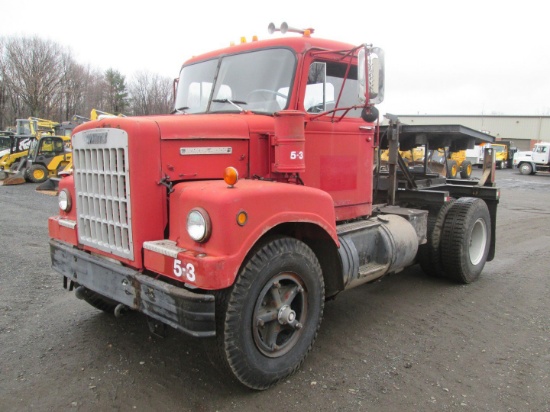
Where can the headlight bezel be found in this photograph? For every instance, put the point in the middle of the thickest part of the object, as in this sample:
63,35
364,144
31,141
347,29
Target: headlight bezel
64,200
199,225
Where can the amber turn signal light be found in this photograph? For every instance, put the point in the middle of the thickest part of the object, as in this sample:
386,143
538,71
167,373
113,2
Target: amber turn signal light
242,217
231,176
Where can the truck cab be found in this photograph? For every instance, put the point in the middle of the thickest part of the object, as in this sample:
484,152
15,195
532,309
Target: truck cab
529,162
260,197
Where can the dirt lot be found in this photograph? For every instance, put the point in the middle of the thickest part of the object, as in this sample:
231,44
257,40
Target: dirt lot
407,342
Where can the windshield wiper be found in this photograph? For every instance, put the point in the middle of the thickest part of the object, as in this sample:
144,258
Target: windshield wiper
232,102
180,110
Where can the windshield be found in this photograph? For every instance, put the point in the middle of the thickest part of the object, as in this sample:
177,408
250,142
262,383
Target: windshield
4,143
498,148
23,127
256,81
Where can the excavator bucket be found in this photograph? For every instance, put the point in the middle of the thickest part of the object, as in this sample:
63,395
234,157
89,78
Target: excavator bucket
49,187
16,178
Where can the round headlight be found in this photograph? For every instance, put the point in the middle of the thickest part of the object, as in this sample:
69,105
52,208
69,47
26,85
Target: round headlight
198,225
64,200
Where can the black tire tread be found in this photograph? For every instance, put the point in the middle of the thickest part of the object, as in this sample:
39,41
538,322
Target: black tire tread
453,234
230,302
31,174
429,257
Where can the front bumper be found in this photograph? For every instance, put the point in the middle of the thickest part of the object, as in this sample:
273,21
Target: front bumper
189,312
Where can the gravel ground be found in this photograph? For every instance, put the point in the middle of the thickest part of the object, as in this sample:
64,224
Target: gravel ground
408,342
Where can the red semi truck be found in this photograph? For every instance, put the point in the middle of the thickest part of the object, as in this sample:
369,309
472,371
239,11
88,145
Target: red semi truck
262,198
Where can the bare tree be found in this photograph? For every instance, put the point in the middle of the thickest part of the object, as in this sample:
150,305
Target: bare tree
3,90
40,78
150,94
34,70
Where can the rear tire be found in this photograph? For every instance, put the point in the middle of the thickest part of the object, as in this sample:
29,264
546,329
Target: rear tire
429,253
465,239
267,322
37,173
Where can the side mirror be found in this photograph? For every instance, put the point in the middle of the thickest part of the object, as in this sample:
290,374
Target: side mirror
370,72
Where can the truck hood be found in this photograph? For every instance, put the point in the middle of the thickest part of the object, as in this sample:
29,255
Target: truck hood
523,154
203,126
202,146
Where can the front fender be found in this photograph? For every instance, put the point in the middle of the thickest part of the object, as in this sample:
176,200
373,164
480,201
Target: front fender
216,262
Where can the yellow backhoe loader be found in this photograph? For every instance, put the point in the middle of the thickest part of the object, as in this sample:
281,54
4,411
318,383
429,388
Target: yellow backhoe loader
46,156
27,130
51,184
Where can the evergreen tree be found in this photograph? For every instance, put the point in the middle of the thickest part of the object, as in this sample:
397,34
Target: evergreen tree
117,95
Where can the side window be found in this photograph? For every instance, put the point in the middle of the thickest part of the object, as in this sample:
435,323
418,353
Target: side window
325,83
59,146
319,95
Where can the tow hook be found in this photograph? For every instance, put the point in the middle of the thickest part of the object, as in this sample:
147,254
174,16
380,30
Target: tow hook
120,310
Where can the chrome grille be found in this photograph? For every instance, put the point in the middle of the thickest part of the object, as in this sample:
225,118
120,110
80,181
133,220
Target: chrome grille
102,183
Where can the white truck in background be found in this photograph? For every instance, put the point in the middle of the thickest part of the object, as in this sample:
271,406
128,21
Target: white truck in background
534,161
475,155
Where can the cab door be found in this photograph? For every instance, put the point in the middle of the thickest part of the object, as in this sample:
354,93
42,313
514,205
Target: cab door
540,155
339,144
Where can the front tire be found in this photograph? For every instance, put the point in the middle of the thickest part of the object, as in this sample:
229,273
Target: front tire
270,317
465,239
525,169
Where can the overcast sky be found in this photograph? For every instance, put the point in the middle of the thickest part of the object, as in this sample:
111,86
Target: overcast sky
442,57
